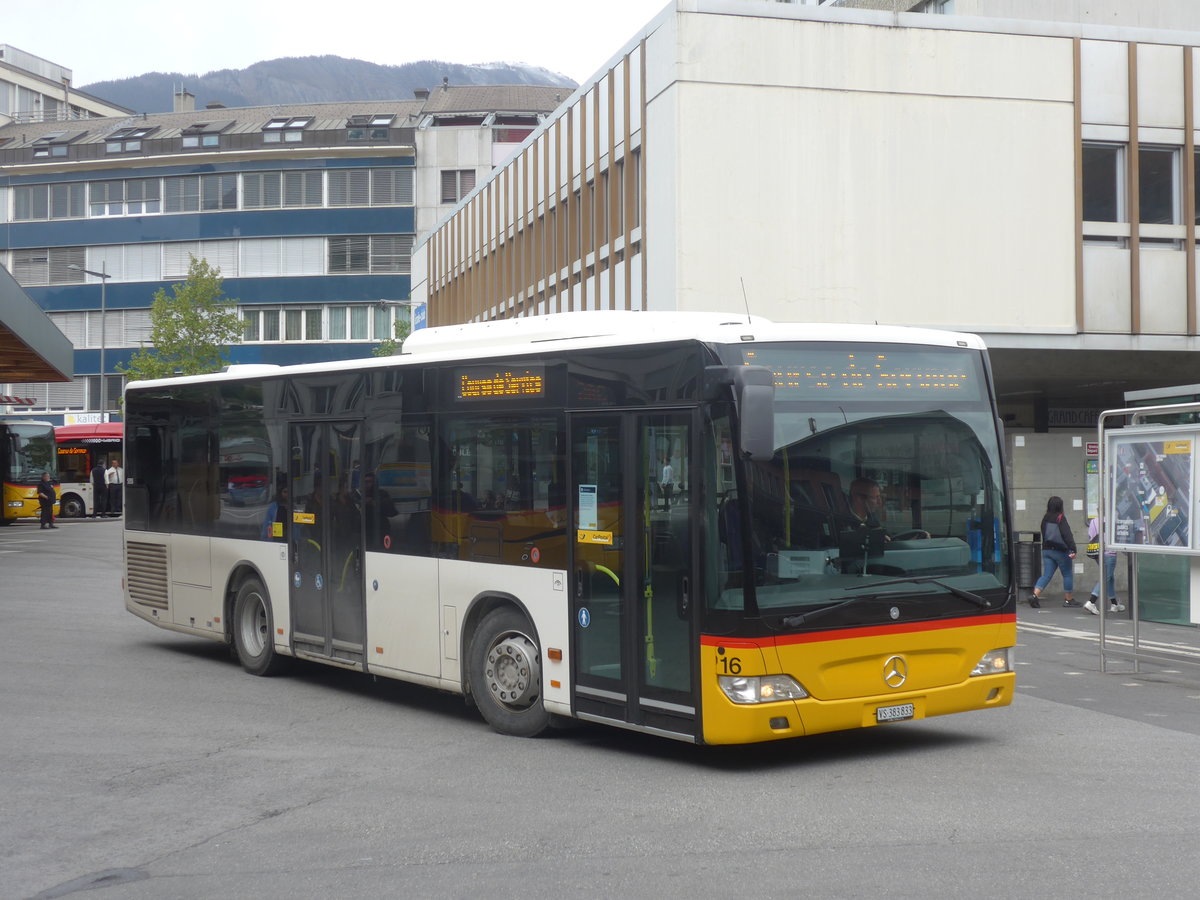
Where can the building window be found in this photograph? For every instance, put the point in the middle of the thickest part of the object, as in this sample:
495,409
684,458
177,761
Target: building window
193,141
218,192
391,187
124,198
261,190
55,144
127,140
376,254
1158,191
1103,183
368,128
303,189
391,253
260,325
192,193
286,130
941,7
53,265
48,201
353,323
181,194
250,330
107,198
270,325
202,135
302,325
349,254
456,184
142,196
350,187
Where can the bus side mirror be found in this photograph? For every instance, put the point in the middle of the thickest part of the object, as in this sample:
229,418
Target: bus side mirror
755,387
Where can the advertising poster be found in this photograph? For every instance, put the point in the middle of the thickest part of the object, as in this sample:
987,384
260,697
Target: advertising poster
1151,493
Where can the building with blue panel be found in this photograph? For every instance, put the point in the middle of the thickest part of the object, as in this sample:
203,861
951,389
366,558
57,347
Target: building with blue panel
310,211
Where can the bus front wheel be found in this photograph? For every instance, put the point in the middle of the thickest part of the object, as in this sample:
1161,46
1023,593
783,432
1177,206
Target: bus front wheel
71,506
506,674
253,630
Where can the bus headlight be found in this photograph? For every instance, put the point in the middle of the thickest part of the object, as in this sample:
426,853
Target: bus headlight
994,662
760,688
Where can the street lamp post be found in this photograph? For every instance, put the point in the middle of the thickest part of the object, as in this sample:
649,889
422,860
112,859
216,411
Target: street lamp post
103,276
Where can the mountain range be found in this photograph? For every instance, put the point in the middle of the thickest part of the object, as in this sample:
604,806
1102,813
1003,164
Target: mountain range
311,79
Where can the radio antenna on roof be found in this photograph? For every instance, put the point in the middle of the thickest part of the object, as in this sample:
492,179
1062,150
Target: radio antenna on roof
745,299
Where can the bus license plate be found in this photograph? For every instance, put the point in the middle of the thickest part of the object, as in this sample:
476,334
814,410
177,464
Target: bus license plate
897,713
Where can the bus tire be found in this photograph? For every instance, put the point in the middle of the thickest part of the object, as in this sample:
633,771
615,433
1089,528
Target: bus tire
253,630
505,669
71,506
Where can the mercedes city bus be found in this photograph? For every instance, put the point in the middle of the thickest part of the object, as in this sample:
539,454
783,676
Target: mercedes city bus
486,514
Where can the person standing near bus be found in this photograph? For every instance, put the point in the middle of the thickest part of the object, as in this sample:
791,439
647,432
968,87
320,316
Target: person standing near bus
1058,552
114,477
667,482
1110,574
46,498
99,489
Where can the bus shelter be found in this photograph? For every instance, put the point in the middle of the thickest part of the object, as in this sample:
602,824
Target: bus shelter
1148,464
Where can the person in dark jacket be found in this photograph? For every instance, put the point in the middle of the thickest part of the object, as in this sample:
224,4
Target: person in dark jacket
1058,552
46,497
99,489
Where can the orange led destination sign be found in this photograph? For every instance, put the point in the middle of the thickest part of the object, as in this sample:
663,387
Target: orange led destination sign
483,382
831,373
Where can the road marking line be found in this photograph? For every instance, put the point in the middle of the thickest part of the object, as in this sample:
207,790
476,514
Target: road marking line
1120,641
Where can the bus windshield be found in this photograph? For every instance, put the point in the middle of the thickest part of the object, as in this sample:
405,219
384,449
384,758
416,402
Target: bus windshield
31,452
885,485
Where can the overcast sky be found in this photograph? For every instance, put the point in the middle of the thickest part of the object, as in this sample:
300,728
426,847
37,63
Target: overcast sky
101,40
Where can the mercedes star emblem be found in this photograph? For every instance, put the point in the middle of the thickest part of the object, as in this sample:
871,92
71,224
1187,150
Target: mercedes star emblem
895,671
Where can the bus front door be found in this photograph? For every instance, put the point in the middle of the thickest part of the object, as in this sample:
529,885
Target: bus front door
325,542
632,573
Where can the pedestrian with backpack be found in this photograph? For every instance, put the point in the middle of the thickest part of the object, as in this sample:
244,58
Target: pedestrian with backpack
1058,553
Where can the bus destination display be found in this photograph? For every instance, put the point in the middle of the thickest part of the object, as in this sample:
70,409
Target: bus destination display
841,374
483,382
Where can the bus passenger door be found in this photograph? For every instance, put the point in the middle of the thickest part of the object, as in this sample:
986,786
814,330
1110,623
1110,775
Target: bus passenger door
325,541
632,577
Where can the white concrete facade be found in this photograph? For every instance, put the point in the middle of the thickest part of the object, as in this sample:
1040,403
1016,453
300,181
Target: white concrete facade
851,165
33,89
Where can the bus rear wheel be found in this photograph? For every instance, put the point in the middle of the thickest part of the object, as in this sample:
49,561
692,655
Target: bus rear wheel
71,507
253,630
506,674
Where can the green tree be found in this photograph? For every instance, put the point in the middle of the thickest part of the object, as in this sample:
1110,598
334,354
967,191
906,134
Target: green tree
389,346
190,332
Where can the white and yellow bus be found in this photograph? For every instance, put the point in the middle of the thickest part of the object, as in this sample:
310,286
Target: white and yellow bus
486,514
26,451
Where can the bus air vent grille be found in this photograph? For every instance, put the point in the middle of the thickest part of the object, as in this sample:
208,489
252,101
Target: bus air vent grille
147,564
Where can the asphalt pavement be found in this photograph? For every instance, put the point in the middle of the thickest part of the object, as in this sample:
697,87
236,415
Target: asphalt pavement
1059,658
144,764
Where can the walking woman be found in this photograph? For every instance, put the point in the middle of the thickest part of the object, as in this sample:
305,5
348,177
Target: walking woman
1058,552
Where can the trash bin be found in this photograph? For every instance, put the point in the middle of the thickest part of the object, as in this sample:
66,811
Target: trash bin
1029,558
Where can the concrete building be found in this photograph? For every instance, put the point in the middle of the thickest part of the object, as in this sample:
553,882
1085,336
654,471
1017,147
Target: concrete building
1033,181
309,210
33,89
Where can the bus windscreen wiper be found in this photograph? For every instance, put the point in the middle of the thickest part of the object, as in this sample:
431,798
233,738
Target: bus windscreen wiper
929,579
795,621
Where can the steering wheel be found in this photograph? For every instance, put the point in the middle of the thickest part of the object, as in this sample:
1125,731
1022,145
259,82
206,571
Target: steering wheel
914,535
